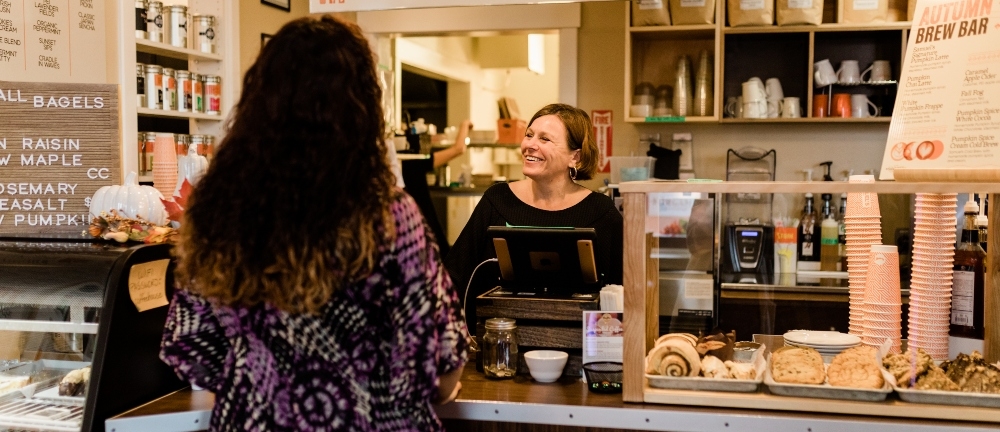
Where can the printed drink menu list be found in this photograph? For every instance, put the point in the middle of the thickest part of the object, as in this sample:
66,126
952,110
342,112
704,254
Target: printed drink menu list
947,112
53,40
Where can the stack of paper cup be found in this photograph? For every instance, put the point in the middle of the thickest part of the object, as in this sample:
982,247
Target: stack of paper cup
883,304
165,164
863,225
930,282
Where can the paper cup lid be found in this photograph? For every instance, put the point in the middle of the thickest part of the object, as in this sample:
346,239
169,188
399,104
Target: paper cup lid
862,178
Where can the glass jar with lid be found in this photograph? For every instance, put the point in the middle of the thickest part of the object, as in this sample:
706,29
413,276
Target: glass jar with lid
499,348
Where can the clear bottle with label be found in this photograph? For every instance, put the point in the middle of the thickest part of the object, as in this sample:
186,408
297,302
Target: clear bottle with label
967,293
809,235
499,348
842,232
829,244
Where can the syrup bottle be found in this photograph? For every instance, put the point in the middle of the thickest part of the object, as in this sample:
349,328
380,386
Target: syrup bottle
809,233
967,292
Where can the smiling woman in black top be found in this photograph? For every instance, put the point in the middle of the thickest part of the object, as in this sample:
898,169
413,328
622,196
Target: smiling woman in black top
558,148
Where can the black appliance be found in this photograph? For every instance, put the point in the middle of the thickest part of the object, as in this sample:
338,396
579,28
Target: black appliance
747,254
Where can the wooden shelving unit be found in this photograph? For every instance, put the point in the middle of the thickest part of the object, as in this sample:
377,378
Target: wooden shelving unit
167,50
148,112
738,53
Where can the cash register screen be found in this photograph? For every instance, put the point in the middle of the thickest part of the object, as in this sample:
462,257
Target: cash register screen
554,260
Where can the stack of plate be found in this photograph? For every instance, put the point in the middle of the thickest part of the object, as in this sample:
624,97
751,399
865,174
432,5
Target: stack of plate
828,343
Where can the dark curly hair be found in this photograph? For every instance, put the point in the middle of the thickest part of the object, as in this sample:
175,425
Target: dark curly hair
579,134
295,204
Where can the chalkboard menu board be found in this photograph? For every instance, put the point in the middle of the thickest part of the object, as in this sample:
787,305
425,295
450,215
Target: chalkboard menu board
59,143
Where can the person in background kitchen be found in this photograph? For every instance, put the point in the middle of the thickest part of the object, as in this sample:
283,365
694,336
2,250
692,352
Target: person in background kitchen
557,150
311,295
415,178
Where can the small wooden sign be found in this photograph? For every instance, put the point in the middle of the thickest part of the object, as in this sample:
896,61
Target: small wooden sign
147,284
59,143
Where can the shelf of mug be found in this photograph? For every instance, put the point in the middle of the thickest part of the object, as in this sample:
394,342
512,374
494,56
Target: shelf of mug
672,119
809,120
830,27
167,50
150,112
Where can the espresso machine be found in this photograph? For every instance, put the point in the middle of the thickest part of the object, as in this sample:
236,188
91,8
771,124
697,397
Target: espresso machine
746,251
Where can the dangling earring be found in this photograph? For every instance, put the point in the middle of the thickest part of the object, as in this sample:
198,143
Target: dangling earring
572,173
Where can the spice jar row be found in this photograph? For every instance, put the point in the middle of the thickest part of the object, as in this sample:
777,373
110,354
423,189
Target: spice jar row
170,24
203,144
164,88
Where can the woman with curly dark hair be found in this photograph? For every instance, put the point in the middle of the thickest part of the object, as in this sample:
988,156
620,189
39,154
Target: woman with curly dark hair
312,294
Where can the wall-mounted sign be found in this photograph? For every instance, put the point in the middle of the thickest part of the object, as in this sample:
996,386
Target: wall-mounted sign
602,134
323,6
59,143
947,112
53,40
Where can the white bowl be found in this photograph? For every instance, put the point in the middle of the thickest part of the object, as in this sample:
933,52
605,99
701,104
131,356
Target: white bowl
546,366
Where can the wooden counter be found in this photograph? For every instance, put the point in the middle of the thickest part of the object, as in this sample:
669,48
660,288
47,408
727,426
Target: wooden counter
567,403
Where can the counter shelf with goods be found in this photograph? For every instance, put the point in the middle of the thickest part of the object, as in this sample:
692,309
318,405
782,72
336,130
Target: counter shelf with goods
643,303
791,50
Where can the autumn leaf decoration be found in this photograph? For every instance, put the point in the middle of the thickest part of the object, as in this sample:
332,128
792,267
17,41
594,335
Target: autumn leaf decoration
175,207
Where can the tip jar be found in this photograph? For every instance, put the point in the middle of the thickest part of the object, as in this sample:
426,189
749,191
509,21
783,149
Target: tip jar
499,348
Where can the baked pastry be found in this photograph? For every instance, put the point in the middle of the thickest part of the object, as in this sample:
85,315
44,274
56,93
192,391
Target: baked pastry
972,374
741,371
906,367
75,382
12,382
712,367
797,366
856,367
674,357
935,379
683,336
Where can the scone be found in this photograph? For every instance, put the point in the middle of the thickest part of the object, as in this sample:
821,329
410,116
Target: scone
797,366
856,367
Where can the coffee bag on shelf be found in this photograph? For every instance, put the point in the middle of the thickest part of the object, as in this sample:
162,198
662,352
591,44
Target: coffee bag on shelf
750,12
865,11
692,12
795,12
650,13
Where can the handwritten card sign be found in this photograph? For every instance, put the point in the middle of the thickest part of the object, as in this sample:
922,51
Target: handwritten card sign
947,112
53,40
59,143
147,284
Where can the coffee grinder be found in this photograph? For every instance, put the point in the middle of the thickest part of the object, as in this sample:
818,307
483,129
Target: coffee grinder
747,248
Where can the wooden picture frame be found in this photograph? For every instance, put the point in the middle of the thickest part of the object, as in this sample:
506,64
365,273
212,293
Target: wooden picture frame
285,5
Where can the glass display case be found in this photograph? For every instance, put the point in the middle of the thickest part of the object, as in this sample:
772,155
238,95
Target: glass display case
76,345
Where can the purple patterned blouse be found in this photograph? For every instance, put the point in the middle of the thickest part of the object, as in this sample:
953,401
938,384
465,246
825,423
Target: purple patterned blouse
370,361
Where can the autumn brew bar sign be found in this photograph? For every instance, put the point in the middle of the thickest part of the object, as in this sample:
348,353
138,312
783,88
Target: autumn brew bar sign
59,143
947,112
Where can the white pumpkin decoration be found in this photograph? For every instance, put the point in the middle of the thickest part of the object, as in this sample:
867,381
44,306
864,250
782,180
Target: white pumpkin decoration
130,200
191,167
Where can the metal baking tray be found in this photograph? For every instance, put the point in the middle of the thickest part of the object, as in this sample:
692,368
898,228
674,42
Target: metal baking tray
44,374
826,391
941,397
713,384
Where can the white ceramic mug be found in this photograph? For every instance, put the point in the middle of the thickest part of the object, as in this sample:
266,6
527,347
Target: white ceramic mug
753,91
755,109
791,108
773,108
880,71
773,89
849,72
642,110
860,107
823,74
734,106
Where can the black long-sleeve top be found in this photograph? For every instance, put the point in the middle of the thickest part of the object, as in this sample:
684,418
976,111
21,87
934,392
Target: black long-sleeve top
500,207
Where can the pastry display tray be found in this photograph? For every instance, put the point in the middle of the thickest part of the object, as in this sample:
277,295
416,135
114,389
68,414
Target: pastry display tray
941,397
38,405
713,384
827,391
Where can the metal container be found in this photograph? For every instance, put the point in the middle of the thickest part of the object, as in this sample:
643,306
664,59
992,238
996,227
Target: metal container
178,25
154,86
213,94
183,91
198,141
183,141
197,93
140,85
169,89
148,142
140,143
140,19
204,32
500,353
154,21
208,148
